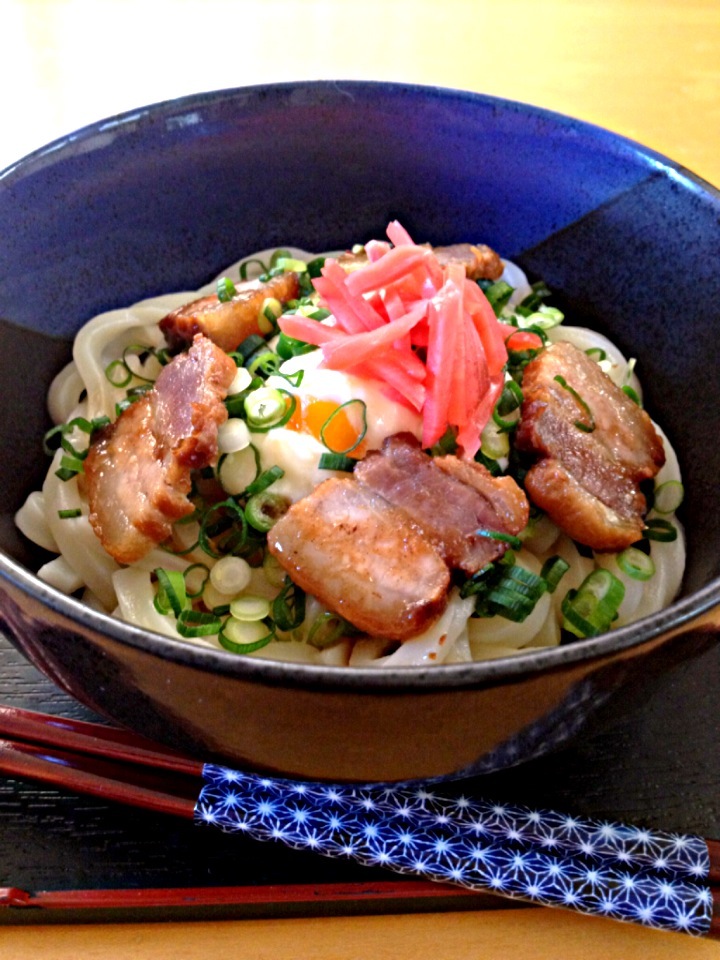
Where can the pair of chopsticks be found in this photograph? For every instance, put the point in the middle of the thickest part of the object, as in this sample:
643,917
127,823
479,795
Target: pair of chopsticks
657,879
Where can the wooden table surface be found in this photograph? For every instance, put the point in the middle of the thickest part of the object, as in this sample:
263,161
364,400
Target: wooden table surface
649,69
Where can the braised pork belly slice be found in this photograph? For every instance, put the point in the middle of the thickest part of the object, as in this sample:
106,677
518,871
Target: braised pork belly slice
480,261
595,446
137,472
448,499
363,559
229,322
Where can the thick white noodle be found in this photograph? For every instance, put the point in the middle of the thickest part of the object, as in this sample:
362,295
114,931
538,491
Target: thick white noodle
83,389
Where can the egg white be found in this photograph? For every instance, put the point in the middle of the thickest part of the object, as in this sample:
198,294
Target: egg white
298,453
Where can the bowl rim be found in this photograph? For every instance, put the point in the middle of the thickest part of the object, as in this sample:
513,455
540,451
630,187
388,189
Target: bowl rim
372,680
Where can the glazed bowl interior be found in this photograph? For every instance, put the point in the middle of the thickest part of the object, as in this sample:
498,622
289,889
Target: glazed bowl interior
163,198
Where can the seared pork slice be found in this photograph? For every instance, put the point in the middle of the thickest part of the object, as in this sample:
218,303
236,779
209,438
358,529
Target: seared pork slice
480,261
137,473
595,447
448,499
230,322
363,559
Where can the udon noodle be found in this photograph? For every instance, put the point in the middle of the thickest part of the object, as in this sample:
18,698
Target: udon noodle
56,517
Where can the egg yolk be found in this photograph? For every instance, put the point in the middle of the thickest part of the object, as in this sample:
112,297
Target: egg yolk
336,428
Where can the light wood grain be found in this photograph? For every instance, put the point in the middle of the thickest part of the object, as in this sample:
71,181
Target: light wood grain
649,69
520,935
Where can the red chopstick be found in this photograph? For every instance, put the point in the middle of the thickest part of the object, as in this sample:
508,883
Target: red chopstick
655,878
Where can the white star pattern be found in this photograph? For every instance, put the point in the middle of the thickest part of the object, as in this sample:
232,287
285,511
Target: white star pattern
547,858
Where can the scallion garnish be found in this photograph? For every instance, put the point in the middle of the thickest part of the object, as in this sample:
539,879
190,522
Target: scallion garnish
515,593
498,293
267,408
226,289
590,425
597,354
336,461
327,629
223,526
591,609
509,402
636,564
288,608
553,570
239,636
264,480
659,529
246,264
514,542
198,623
668,496
265,363
632,394
188,574
69,514
171,594
263,510
355,406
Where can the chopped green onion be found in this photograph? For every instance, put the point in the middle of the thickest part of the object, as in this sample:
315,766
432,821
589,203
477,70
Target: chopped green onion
277,256
117,378
632,394
597,354
591,609
266,363
247,263
288,347
188,575
516,593
267,408
273,570
636,564
314,267
226,289
553,570
270,310
353,405
287,264
250,609
69,514
249,346
510,398
63,431
231,575
225,523
69,467
539,292
668,496
661,530
586,427
263,510
266,478
288,608
326,630
198,623
240,636
498,293
514,542
540,320
336,461
171,593
509,402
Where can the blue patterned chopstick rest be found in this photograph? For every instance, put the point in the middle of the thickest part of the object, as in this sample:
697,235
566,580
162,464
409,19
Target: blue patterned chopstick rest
411,831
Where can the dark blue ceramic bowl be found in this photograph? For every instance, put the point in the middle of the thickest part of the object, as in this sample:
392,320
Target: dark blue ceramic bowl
164,197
